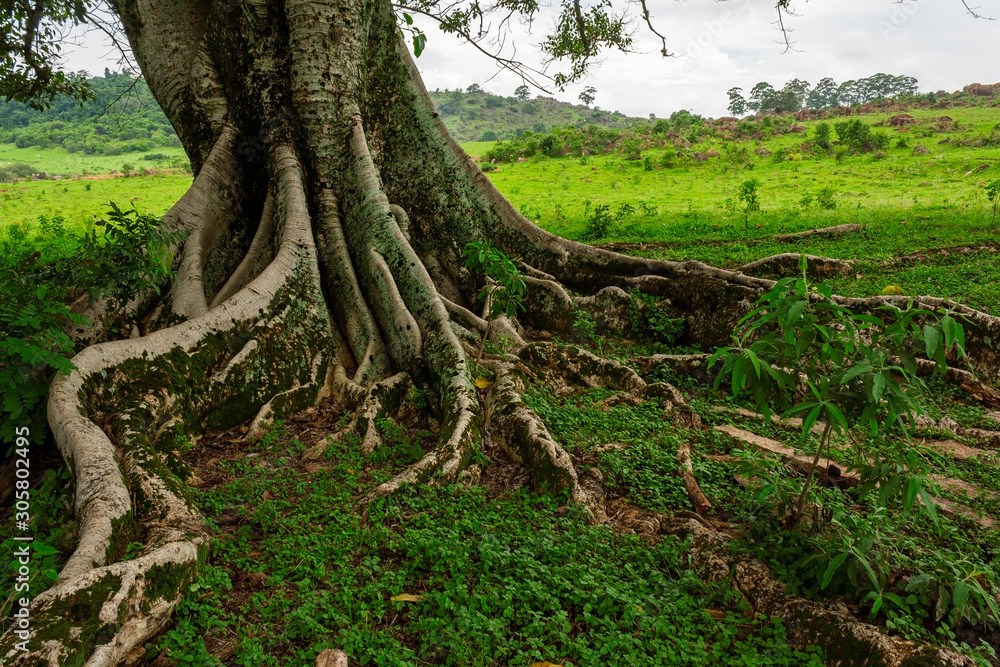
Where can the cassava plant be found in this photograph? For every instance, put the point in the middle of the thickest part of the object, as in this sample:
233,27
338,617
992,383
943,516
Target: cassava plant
504,287
800,352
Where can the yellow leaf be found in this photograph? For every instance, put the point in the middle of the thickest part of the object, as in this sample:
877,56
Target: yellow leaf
716,614
482,383
892,289
405,597
544,664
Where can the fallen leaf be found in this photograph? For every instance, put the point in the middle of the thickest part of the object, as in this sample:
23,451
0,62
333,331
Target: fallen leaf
314,453
545,664
482,382
314,467
268,495
405,597
716,614
892,289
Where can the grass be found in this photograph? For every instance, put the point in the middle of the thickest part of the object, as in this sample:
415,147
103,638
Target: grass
80,201
60,161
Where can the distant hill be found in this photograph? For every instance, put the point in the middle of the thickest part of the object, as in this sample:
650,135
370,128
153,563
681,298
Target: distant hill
483,116
124,118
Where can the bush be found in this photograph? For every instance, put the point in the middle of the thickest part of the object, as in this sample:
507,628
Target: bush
598,224
127,259
825,199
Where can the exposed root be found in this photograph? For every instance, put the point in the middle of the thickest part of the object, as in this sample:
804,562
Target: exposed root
788,264
560,365
469,318
828,624
445,462
691,365
339,278
206,212
695,494
612,309
524,435
383,400
289,401
549,306
823,231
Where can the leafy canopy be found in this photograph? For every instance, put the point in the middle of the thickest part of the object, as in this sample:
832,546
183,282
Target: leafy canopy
30,33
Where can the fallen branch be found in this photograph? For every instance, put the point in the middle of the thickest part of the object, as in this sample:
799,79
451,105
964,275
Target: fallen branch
825,231
695,495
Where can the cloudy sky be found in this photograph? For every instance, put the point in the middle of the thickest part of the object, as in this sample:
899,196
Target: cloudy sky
718,45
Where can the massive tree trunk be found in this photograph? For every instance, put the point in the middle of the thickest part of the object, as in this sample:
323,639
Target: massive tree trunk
325,229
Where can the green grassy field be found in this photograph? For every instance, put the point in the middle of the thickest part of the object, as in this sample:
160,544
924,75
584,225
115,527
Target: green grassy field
59,161
80,201
906,202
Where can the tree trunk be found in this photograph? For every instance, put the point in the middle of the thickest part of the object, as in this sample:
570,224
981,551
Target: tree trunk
325,229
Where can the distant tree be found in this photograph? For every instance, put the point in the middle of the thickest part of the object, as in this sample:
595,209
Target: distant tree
522,93
474,88
587,96
760,96
849,93
489,135
823,95
798,89
737,104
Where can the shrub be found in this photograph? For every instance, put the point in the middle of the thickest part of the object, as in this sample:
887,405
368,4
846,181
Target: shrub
826,199
859,372
127,259
751,200
598,224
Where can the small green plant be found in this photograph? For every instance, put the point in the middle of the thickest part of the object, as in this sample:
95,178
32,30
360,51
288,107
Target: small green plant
993,194
826,199
822,135
747,194
599,223
653,320
504,286
132,550
800,352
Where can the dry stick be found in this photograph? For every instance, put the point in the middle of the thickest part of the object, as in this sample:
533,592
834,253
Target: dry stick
800,505
695,495
489,321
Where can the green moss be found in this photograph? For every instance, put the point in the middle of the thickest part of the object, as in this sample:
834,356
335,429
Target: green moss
166,581
124,530
79,611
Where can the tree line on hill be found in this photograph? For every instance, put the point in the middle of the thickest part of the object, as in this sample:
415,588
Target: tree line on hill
123,117
798,94
475,114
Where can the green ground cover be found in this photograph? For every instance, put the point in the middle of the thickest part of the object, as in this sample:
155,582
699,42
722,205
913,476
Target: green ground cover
78,202
497,578
57,160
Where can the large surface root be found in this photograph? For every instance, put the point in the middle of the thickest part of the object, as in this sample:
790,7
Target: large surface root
165,379
829,625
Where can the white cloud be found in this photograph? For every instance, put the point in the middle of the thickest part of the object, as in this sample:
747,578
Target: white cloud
724,44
